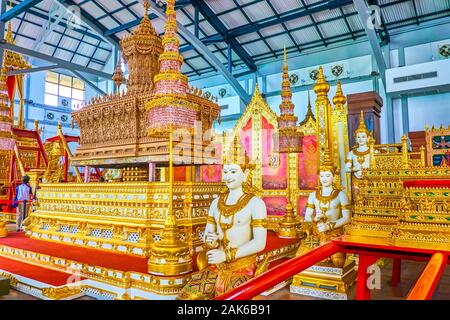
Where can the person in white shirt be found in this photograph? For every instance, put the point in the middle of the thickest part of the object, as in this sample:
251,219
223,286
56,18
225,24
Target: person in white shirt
23,197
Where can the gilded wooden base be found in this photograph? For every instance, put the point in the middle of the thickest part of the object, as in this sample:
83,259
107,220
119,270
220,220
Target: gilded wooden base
325,282
3,229
376,230
123,217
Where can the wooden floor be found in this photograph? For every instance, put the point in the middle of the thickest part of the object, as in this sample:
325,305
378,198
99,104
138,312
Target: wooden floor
410,273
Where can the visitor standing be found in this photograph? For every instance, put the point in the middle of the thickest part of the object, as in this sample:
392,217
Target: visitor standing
23,197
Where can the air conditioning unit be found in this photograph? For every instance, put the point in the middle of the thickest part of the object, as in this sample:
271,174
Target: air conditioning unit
419,78
64,102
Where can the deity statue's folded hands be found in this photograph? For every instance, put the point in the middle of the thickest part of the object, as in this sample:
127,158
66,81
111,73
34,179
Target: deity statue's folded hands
327,211
216,256
236,230
211,239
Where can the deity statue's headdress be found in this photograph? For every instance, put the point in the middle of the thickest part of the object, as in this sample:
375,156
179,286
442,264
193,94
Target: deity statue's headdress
327,163
238,155
362,126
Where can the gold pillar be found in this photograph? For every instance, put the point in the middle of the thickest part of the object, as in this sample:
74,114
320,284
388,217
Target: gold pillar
405,156
422,156
170,256
323,115
340,136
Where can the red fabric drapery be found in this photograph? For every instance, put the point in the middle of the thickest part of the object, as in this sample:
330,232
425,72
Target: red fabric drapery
11,85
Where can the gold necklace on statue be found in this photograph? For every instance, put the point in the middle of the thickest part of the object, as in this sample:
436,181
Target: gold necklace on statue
228,210
361,155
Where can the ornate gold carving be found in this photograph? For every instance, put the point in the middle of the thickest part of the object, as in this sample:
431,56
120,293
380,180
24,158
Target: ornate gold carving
61,292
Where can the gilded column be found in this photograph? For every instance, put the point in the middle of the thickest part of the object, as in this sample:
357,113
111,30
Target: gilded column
340,136
323,115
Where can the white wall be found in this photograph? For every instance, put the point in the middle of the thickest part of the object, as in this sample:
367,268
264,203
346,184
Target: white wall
429,110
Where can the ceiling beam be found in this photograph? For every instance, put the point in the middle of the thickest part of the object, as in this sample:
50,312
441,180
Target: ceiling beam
18,9
30,70
217,24
91,22
202,49
60,62
363,12
89,83
289,16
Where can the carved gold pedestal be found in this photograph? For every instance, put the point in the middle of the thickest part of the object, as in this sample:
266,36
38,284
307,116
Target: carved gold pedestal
289,226
3,229
325,282
125,217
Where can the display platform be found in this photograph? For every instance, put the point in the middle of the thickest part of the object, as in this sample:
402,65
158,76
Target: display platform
59,271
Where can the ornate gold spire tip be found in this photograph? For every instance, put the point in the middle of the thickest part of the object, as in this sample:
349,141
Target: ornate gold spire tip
362,126
339,98
321,87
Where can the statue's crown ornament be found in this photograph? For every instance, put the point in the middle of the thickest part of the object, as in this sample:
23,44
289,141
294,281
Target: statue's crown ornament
237,154
327,163
362,126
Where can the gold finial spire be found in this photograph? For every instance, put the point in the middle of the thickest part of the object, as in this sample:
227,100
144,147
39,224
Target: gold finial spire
309,112
362,126
286,94
339,98
321,87
9,37
146,6
256,91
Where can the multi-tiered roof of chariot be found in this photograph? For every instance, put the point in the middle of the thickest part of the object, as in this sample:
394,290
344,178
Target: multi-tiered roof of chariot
141,50
157,95
174,104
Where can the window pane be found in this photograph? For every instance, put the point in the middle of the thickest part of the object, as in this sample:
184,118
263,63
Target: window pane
78,84
65,80
51,88
51,77
51,100
76,103
77,94
65,92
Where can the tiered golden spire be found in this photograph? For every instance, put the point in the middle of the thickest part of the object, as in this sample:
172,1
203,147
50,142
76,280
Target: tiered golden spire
339,99
289,137
171,60
309,113
9,37
286,84
321,87
13,59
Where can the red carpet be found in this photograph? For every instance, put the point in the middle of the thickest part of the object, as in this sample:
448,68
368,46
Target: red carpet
102,258
427,184
54,278
95,257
